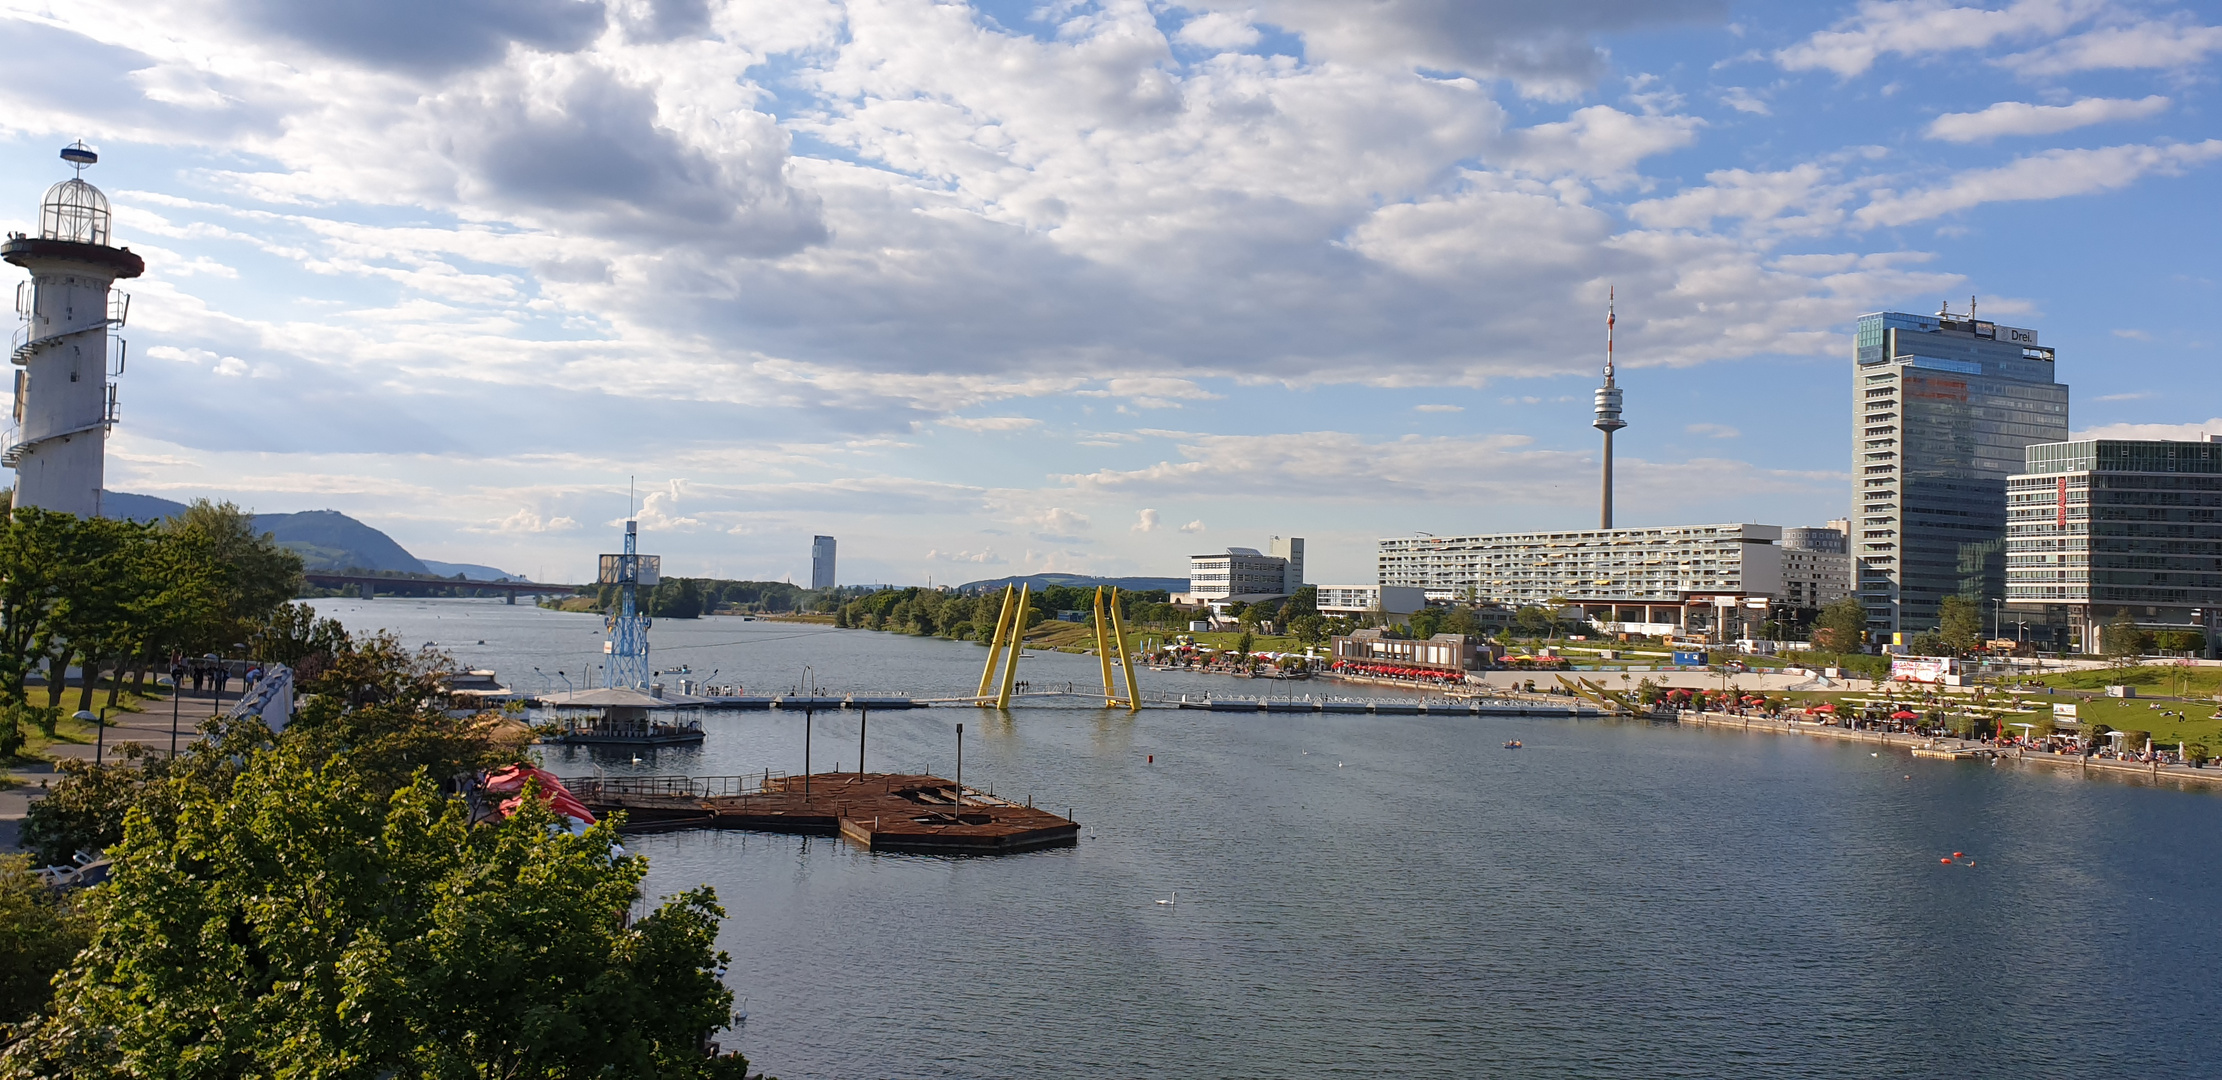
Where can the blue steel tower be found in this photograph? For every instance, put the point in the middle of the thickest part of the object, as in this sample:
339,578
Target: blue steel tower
627,646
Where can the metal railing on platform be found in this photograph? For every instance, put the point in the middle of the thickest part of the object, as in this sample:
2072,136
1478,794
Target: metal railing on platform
699,787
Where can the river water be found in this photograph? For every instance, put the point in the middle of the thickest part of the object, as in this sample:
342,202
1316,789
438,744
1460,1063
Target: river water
1401,897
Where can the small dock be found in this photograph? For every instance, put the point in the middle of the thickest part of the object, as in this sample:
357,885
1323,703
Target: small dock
907,812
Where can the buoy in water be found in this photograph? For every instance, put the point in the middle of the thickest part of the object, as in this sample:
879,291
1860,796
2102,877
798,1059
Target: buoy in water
1959,854
1153,759
1944,861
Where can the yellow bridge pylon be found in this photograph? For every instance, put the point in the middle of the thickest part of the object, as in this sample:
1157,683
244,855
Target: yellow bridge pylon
1111,638
1010,626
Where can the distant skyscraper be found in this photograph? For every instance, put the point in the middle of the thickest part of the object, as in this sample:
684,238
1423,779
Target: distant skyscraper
1943,406
821,562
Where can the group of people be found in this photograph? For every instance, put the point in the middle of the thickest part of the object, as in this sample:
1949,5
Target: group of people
209,675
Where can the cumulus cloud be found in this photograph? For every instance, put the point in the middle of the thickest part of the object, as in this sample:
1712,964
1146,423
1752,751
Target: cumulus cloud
990,423
1546,49
1438,408
1145,521
526,520
2052,174
1918,27
427,36
2167,44
2019,118
1195,526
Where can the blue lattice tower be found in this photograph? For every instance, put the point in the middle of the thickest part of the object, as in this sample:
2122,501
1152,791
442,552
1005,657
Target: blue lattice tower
627,646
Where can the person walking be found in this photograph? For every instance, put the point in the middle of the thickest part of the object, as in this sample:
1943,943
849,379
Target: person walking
223,675
200,677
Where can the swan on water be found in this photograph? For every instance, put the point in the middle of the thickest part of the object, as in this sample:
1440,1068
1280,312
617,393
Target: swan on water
1174,900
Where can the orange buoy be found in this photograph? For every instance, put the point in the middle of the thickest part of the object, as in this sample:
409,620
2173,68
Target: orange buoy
1153,759
1959,854
1944,860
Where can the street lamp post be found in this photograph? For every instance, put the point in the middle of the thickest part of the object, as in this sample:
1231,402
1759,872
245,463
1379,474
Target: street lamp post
960,766
177,674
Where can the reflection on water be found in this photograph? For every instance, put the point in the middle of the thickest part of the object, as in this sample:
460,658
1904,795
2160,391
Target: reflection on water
1398,896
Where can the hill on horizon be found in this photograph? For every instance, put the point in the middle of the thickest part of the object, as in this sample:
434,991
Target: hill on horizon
328,541
1129,584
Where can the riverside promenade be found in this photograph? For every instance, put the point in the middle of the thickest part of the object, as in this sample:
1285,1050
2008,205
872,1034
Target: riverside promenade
1923,746
151,729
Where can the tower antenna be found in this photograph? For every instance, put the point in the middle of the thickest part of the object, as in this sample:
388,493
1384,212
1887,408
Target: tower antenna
1608,410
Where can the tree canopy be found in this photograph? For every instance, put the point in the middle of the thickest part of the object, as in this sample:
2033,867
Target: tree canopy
329,902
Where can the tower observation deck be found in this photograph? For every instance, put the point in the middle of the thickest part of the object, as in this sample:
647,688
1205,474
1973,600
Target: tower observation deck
64,355
1608,416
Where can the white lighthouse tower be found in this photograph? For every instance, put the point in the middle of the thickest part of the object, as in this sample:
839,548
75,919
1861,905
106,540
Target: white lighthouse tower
64,402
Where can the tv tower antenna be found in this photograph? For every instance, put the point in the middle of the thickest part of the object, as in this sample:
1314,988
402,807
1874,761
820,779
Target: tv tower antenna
1608,412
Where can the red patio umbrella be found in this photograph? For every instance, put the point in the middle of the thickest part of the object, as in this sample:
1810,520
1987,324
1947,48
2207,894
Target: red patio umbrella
1827,706
1904,715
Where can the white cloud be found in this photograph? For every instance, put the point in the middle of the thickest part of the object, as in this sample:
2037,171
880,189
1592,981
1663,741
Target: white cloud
1218,30
2197,432
1744,101
1331,465
2172,44
982,557
1435,407
1195,526
1919,27
2019,118
2053,174
1058,519
2133,335
1712,431
990,423
2141,395
1145,521
525,520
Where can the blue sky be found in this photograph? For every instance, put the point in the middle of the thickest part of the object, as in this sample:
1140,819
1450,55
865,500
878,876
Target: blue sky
1089,286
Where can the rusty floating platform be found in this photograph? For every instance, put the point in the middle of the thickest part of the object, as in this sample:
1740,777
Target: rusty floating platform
908,812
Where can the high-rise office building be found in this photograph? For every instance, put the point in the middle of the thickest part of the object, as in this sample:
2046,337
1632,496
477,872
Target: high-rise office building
1290,550
1943,406
821,562
2106,529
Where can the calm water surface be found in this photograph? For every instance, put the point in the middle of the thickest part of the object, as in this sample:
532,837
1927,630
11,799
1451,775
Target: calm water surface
1401,897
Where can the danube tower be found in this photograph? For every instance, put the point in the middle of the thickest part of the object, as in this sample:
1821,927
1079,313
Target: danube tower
1608,416
64,403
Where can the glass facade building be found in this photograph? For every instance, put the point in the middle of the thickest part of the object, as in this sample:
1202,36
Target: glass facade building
2107,528
1943,408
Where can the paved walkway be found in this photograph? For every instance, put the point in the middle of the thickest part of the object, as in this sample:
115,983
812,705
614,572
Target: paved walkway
150,729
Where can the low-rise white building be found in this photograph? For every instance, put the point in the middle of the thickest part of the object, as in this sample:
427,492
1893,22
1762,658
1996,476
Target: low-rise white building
1663,580
1246,574
1356,601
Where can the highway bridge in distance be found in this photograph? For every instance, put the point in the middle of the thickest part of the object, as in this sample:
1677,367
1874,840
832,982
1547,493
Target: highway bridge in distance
370,585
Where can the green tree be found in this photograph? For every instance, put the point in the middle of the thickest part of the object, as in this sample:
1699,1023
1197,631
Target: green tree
34,547
1426,621
1304,601
1309,629
1243,643
1960,624
2120,638
379,936
85,809
1840,625
251,573
40,931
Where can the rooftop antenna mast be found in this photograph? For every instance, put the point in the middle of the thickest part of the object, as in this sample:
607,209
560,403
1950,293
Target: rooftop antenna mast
1608,412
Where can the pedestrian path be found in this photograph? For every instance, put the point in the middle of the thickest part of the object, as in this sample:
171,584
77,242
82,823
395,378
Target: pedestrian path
150,728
